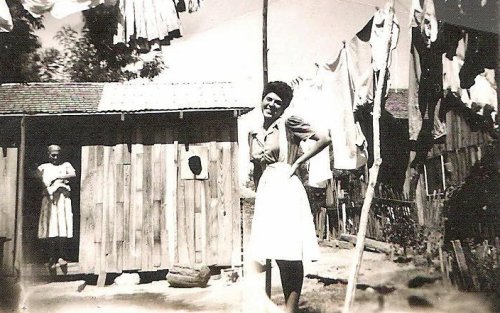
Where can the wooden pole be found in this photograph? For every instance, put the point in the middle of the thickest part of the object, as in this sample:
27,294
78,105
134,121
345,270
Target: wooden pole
360,241
264,41
18,255
265,78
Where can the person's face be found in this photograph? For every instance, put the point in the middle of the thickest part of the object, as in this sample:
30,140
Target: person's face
54,157
272,106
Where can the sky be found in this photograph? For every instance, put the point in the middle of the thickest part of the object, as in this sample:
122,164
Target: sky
301,33
223,42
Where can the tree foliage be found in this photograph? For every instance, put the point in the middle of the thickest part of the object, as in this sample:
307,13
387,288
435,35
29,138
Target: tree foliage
92,56
18,47
87,56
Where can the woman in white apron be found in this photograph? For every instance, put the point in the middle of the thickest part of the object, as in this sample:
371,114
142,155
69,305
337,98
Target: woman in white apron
56,215
282,226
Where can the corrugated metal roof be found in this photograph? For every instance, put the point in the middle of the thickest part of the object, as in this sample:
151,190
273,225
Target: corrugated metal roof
60,98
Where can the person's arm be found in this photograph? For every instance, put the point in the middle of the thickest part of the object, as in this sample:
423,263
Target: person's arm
322,139
255,157
70,172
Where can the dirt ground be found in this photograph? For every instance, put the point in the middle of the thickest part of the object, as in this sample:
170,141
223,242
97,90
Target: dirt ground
384,286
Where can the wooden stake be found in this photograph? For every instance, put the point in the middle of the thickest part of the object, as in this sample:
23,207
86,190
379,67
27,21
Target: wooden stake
360,242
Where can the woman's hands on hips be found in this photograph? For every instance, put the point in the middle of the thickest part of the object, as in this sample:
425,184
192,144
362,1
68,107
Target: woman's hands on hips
293,168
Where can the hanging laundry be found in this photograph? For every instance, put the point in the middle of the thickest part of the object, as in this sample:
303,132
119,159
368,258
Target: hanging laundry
6,24
143,24
429,24
64,8
348,142
194,5
180,5
427,76
377,40
307,103
481,54
38,7
59,8
366,53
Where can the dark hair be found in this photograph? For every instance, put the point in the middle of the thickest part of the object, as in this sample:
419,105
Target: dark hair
282,89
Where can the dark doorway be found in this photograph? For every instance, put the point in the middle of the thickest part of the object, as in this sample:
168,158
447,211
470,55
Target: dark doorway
39,136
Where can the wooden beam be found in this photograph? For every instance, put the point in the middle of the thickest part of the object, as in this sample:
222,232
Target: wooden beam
370,244
18,255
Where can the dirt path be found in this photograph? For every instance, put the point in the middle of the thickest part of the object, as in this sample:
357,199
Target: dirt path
383,283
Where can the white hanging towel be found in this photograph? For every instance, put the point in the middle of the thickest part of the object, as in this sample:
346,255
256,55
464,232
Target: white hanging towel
348,142
6,24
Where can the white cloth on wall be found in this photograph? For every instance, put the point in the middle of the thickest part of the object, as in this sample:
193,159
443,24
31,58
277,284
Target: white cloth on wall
6,24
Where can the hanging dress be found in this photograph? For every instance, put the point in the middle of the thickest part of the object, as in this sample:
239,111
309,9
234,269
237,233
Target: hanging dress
282,226
56,216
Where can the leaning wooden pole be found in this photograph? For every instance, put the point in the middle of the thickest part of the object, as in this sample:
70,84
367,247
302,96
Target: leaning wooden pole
265,5
372,181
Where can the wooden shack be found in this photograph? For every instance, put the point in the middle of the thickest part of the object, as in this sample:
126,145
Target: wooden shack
138,204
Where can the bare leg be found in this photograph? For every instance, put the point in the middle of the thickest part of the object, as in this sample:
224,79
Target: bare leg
292,277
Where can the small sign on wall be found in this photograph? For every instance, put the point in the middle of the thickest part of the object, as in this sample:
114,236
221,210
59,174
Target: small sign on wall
194,162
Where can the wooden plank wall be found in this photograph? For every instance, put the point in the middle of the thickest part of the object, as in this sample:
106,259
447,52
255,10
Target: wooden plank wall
8,193
138,214
462,147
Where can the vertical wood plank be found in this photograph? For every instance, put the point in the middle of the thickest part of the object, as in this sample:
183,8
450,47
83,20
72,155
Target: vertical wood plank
107,229
189,193
227,207
171,192
147,209
182,245
212,218
164,251
87,223
99,207
126,215
137,150
9,194
236,219
157,196
198,246
198,258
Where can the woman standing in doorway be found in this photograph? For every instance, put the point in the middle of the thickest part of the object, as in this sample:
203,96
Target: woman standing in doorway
56,216
282,226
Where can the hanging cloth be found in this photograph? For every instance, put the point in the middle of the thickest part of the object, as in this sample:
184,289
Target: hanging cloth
142,23
348,142
377,41
59,8
194,5
6,24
